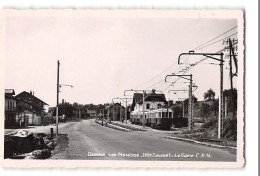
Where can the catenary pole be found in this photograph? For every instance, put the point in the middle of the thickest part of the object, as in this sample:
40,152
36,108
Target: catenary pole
57,106
221,105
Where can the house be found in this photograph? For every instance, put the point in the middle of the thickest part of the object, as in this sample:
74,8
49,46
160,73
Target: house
92,113
151,101
117,112
10,108
30,109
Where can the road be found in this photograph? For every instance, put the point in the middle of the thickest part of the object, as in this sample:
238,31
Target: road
87,140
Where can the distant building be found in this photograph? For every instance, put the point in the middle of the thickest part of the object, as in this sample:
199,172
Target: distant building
117,112
92,113
10,108
30,109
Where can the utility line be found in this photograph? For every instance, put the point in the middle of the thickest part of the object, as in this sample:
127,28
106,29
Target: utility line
157,75
218,40
199,47
215,38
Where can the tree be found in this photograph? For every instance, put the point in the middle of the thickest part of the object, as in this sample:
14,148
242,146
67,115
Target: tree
209,95
67,109
215,105
177,112
231,104
186,103
205,111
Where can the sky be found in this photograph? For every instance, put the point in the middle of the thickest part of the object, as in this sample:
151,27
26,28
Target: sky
103,56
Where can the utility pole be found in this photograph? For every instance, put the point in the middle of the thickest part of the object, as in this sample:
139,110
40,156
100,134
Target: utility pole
210,55
190,120
143,107
57,106
221,115
225,107
113,110
120,112
183,113
231,51
108,113
190,105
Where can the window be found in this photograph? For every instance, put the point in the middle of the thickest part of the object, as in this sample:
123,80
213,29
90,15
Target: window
147,106
159,106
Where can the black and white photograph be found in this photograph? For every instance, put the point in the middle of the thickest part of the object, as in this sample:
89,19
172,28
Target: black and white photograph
123,87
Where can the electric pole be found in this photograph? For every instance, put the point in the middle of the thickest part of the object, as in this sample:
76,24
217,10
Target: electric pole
232,53
57,106
210,55
190,119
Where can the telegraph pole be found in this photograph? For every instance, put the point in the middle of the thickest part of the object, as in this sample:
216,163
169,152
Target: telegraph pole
57,106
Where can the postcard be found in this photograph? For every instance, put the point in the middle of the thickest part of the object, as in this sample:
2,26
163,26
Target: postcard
124,88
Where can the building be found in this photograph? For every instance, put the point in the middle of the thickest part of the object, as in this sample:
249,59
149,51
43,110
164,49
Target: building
30,109
91,113
117,112
151,101
10,108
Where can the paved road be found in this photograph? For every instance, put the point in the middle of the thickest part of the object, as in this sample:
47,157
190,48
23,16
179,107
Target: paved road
88,140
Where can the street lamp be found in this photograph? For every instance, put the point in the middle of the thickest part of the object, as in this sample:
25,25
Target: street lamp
58,90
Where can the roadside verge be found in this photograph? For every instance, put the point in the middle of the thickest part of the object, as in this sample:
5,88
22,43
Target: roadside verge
112,126
201,143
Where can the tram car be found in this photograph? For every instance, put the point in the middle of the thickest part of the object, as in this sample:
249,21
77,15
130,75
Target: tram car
158,118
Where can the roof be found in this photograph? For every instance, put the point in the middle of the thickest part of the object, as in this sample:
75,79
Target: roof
116,104
151,97
30,95
10,91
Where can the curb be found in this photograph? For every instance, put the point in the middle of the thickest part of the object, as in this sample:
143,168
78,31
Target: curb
198,142
113,126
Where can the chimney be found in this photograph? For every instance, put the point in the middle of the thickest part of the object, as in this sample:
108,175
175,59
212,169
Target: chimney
153,90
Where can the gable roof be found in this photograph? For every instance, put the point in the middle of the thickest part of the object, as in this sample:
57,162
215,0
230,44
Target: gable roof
117,104
27,94
151,97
